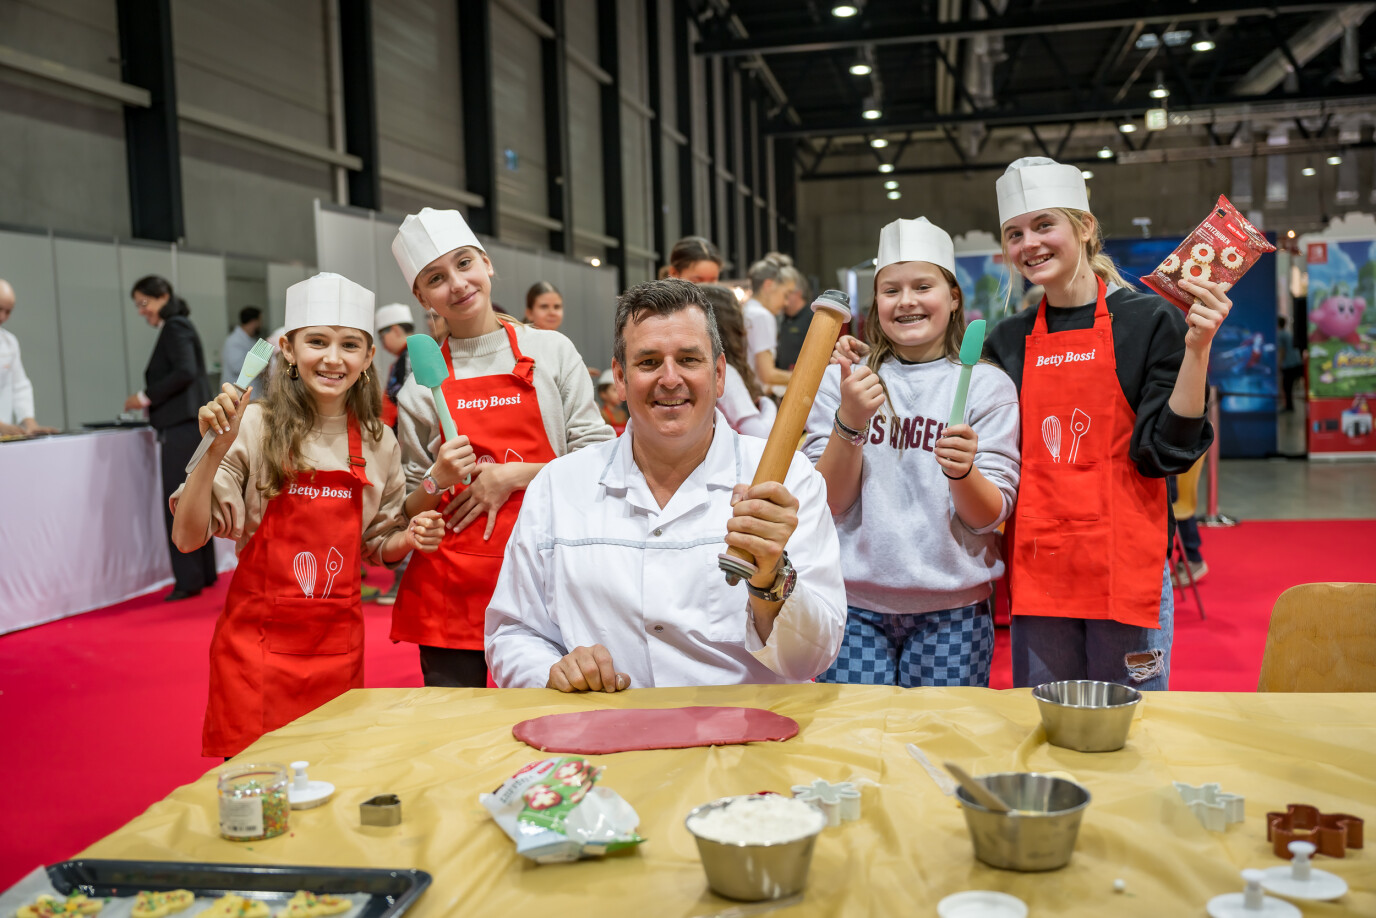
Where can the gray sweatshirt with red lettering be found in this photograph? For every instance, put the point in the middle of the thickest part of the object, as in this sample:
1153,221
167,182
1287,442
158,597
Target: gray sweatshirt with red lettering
904,550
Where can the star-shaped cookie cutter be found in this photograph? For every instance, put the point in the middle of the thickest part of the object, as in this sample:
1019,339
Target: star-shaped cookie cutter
1331,833
839,802
1214,809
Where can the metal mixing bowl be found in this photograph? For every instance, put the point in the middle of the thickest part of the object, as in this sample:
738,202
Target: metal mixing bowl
1040,835
754,872
1087,716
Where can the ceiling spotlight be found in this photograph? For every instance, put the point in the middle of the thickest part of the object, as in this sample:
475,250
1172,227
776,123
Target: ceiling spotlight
844,10
895,195
1309,171
1105,153
890,185
1203,42
1160,92
1127,127
879,143
871,111
1086,174
595,262
1290,234
886,167
861,68
1335,160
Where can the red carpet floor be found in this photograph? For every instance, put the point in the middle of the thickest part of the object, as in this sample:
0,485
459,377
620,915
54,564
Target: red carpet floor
102,712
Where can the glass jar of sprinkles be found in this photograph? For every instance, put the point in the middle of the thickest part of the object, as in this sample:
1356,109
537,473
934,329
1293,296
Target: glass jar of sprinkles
253,801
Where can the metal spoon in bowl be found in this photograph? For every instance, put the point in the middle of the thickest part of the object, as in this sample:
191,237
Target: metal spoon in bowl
983,795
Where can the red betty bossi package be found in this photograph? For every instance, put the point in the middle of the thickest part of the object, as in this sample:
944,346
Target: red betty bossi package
1220,249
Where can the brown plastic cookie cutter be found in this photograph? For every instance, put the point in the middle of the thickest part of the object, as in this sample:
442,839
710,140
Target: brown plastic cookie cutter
1331,833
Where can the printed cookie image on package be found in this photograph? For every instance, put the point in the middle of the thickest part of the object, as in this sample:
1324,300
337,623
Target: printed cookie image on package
1220,249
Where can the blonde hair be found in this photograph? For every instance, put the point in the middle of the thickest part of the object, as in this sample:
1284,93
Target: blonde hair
1099,262
881,348
289,415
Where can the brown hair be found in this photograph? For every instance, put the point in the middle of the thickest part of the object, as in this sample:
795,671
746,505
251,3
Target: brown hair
537,290
687,252
289,415
661,298
731,325
881,348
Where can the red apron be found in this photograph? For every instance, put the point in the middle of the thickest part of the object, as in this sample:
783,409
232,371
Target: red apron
1088,530
290,637
443,596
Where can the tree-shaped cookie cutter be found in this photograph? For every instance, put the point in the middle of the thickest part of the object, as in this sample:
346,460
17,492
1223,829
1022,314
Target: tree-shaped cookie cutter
838,802
1214,809
1331,833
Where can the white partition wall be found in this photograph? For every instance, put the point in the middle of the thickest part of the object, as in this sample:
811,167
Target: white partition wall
358,244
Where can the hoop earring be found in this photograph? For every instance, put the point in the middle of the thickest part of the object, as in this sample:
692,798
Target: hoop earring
292,372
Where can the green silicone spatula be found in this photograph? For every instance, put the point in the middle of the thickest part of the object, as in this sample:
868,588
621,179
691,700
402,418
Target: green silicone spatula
427,363
970,348
254,363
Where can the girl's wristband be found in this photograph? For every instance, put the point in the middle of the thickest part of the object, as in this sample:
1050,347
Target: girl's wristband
962,477
849,434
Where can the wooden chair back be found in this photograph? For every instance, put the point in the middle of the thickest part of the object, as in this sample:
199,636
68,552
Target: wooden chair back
1322,639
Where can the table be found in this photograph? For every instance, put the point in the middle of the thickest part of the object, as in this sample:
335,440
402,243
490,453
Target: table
439,748
81,524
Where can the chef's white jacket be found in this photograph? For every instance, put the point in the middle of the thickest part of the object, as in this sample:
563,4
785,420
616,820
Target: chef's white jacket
594,560
16,392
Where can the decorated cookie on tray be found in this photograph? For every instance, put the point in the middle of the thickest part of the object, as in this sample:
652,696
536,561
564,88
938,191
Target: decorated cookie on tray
235,906
46,906
160,904
309,905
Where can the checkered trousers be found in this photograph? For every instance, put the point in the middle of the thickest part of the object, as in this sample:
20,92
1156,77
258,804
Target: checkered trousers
950,647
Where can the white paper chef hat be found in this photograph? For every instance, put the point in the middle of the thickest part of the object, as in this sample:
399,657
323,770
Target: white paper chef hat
393,314
1037,183
425,236
329,299
915,240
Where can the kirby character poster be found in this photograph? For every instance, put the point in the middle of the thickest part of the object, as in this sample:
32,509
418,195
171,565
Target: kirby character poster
1342,318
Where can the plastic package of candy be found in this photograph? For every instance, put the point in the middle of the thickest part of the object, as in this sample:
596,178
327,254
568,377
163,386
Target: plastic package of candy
1220,249
554,812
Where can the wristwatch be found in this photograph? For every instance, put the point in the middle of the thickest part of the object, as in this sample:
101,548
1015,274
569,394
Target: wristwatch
784,580
429,483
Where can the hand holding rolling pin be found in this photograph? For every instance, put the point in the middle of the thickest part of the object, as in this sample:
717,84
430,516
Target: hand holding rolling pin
763,513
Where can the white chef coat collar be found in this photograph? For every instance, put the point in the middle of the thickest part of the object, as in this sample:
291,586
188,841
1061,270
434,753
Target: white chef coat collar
722,468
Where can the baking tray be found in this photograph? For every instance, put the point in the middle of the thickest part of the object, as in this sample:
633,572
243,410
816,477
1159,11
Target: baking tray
390,892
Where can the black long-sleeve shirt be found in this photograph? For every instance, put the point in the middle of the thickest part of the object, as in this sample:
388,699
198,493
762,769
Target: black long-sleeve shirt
1148,346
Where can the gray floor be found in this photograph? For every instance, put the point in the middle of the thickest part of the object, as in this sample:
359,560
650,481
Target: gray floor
1290,489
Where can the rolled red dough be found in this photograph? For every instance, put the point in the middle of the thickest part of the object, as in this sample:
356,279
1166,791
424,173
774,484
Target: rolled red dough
601,732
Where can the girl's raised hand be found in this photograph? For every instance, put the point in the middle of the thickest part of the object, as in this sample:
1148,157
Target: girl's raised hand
848,348
956,449
426,531
861,395
1211,307
222,415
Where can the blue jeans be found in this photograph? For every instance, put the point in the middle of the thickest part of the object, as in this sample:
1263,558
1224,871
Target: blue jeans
948,647
1047,649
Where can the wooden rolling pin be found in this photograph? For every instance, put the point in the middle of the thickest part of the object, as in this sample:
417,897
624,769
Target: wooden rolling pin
830,311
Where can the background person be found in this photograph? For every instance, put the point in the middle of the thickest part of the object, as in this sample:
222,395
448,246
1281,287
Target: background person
771,279
743,402
174,390
544,306
16,392
239,342
695,260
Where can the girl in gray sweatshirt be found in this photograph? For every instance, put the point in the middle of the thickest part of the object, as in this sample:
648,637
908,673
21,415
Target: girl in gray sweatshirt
916,502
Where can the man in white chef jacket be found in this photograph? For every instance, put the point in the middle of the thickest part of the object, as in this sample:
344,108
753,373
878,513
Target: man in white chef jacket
610,578
16,392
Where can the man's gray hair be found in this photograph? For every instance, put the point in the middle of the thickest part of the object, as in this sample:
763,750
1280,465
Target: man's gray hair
661,298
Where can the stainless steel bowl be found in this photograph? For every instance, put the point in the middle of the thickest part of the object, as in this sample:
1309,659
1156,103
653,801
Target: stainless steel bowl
1040,835
753,872
1087,716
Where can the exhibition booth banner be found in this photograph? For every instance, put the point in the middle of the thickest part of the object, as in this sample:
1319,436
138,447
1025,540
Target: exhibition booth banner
1242,363
984,279
1342,319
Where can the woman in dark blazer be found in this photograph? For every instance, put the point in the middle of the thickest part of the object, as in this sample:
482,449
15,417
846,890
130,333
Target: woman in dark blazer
175,388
